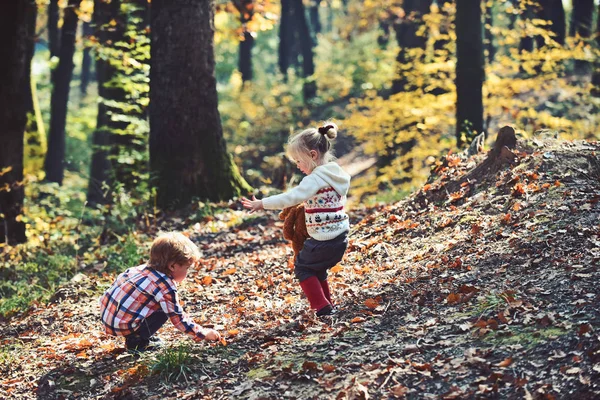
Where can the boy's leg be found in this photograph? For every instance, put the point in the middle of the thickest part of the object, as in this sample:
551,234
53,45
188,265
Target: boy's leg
140,339
152,324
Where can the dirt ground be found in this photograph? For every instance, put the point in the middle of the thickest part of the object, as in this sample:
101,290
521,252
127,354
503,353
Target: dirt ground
488,290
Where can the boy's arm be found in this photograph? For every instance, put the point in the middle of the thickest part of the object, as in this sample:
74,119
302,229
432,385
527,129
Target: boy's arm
171,305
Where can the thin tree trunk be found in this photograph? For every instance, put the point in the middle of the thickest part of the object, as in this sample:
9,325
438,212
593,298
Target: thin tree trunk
285,37
489,37
469,70
53,31
17,22
581,25
596,74
408,39
315,20
54,163
554,12
309,89
86,60
100,171
246,10
188,154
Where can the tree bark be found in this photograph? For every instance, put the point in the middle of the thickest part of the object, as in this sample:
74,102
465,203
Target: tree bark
581,25
101,172
17,23
86,60
581,18
286,37
470,72
188,154
596,73
246,10
489,37
407,38
315,20
309,89
54,163
53,31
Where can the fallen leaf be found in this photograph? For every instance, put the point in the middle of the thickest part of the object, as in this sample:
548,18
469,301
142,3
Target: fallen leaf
356,320
506,362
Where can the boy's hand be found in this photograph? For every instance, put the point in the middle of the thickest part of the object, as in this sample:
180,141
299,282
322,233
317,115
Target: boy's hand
212,335
253,205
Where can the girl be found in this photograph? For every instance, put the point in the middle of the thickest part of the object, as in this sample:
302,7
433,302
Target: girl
323,191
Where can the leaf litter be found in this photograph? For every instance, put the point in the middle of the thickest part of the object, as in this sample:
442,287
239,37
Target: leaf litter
489,290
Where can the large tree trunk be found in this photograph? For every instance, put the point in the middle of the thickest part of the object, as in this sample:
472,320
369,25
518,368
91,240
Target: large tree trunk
188,155
469,70
17,25
53,31
86,60
309,89
407,38
107,34
54,164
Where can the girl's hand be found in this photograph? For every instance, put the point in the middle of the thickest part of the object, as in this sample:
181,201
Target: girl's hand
253,205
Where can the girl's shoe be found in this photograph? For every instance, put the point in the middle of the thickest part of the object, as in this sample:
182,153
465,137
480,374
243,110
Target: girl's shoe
327,310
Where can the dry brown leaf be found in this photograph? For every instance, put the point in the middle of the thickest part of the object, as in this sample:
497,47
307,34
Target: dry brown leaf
506,362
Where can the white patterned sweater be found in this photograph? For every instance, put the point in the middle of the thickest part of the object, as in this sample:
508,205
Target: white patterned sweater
323,192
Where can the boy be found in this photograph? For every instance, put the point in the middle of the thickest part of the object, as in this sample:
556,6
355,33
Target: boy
142,298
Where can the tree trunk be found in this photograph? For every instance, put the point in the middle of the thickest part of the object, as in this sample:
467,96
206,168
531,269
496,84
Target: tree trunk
581,25
581,18
246,10
54,164
315,21
489,37
188,155
86,60
596,74
286,37
441,44
407,38
53,31
554,12
469,70
17,22
245,62
309,89
102,145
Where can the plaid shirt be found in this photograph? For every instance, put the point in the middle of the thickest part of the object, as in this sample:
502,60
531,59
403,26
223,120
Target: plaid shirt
139,292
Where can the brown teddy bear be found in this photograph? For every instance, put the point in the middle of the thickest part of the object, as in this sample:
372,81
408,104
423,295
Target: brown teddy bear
294,226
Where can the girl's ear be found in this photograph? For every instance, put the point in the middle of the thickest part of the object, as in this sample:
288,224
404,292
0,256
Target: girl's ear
314,155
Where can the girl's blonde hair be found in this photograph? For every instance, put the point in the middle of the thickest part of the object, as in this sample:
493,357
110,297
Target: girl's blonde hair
318,139
172,247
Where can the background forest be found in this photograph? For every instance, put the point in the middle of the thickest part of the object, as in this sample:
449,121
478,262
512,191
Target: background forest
99,149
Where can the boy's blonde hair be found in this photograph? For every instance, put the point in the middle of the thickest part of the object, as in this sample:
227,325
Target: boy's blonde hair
172,247
319,139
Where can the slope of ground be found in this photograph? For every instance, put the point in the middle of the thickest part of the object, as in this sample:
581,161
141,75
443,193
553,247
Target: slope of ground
480,285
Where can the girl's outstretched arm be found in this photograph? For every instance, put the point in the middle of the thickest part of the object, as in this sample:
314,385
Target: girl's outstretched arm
253,205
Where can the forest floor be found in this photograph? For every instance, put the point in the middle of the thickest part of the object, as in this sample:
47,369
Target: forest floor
489,291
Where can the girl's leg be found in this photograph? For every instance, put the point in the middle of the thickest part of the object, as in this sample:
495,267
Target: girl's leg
314,293
326,292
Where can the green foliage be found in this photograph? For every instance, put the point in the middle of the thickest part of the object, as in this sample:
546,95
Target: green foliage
173,364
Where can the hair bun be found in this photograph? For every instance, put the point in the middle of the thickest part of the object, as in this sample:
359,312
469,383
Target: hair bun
329,130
